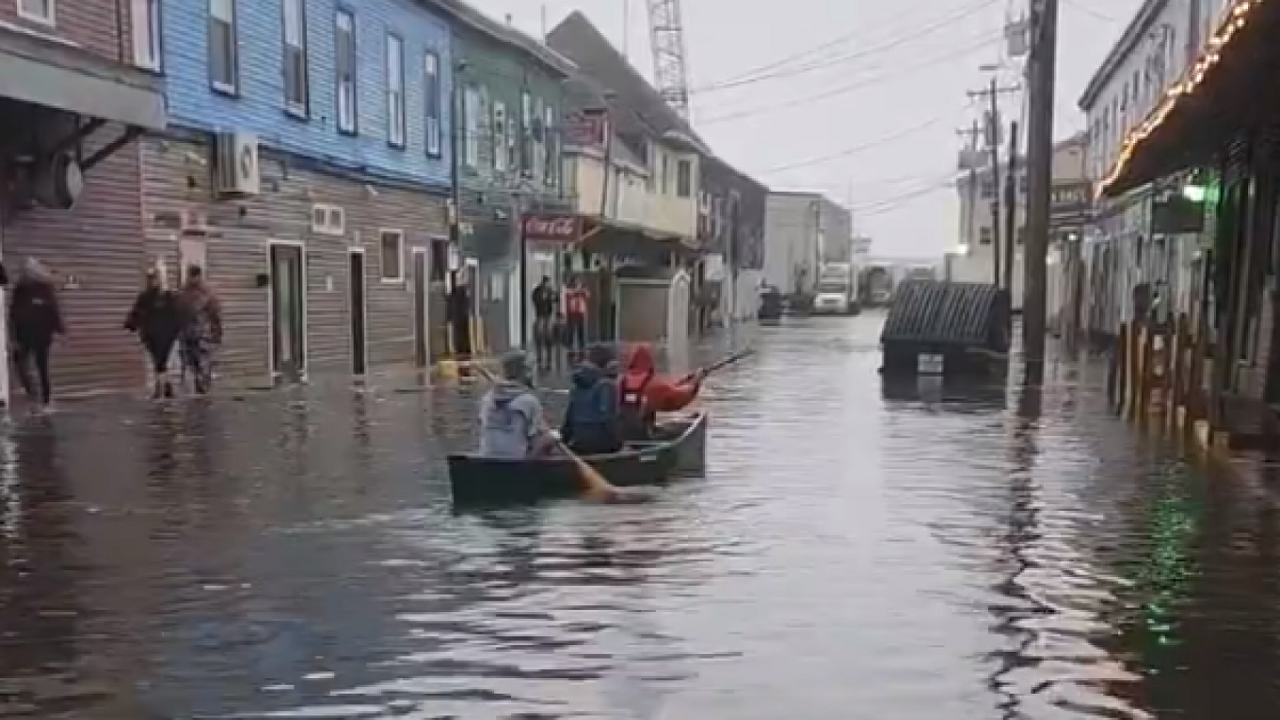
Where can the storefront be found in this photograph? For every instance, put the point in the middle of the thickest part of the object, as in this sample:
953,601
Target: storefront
1221,116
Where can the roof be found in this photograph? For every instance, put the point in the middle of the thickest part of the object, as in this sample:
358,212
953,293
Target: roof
725,167
1137,28
504,33
638,108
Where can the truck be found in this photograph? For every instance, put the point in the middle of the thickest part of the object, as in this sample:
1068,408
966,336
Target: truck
837,290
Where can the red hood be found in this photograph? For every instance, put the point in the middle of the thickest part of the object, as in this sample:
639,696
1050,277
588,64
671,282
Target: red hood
641,361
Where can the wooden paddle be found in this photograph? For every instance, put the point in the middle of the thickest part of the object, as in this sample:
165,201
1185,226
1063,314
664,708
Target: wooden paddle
726,362
594,484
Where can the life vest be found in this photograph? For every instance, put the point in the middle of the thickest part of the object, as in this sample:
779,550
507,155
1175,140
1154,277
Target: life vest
632,413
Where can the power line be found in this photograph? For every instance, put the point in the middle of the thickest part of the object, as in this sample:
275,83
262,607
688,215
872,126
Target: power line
847,152
845,89
892,203
818,64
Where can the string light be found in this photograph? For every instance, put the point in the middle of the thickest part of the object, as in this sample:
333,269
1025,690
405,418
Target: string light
1235,20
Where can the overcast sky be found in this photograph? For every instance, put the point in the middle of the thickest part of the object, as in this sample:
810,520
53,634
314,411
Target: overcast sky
860,99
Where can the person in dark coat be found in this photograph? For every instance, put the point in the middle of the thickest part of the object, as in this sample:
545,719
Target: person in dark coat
201,328
156,317
35,319
591,423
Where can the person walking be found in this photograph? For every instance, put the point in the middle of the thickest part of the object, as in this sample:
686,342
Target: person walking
545,300
157,320
576,300
35,319
201,328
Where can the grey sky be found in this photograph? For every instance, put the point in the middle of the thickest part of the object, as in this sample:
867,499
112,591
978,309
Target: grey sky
871,121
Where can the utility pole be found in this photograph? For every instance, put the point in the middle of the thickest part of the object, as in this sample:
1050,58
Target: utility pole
970,159
1011,208
1041,68
994,125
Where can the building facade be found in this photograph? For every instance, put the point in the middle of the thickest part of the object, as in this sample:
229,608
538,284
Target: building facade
73,103
798,227
307,169
974,259
731,232
511,110
1123,249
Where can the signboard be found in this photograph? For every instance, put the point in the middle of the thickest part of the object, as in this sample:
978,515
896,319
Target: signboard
586,128
930,364
552,228
1069,198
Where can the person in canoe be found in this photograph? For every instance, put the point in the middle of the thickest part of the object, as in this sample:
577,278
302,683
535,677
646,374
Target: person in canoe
591,422
643,393
511,419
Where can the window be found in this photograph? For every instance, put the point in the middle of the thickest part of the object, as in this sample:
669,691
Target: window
395,91
296,97
550,146
345,64
538,163
145,20
526,132
471,118
41,11
432,91
664,177
499,136
328,219
391,255
684,178
513,142
223,61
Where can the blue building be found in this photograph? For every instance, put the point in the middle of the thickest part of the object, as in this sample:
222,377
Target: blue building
308,169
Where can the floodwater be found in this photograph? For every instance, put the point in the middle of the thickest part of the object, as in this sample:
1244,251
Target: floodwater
853,552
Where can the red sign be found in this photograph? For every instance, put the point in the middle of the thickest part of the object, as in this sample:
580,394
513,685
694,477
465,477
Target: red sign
552,228
586,128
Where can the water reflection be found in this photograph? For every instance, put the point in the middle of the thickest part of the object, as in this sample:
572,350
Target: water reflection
856,548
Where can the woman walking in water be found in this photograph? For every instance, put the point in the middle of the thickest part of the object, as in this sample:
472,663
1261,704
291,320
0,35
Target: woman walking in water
156,319
34,320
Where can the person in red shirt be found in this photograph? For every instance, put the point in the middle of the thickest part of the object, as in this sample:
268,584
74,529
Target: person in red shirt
576,299
644,393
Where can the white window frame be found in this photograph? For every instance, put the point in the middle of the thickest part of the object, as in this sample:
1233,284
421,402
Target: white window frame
295,39
551,146
327,219
347,112
48,17
471,117
232,88
432,105
383,234
500,156
684,163
395,79
148,53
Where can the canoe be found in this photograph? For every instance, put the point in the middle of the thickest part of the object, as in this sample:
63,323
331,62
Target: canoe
478,481
687,435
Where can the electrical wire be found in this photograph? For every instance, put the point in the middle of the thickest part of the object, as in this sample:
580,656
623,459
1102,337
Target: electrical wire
863,147
889,204
812,65
846,89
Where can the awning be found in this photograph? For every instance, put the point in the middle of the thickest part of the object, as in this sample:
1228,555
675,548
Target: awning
43,71
1228,90
602,235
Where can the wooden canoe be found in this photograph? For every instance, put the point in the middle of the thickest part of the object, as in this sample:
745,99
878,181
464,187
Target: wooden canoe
479,481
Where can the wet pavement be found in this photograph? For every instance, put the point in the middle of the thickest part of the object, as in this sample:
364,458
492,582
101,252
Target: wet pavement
853,552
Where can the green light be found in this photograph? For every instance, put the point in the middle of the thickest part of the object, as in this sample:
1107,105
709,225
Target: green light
1195,193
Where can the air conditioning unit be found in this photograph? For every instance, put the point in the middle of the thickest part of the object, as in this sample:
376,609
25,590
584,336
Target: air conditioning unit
236,165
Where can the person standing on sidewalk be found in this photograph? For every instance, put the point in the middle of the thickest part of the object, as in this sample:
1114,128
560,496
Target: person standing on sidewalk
35,318
201,323
156,319
544,300
576,300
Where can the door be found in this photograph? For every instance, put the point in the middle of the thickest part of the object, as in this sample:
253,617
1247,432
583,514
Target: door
358,316
420,283
288,313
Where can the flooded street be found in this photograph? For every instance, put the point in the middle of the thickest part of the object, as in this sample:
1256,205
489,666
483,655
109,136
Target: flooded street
854,552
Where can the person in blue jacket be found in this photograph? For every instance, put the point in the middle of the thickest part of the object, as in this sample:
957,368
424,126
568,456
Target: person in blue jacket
591,422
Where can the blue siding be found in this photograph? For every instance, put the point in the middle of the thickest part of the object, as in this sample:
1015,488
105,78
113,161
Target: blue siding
260,107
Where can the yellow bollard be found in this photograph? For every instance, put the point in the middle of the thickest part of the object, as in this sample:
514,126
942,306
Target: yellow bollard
447,370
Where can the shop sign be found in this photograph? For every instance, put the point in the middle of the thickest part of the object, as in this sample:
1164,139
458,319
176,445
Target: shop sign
552,228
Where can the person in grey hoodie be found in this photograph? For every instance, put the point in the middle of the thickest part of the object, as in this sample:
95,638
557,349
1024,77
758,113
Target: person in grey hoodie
511,418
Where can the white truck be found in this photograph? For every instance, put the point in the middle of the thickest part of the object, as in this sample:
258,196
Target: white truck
837,290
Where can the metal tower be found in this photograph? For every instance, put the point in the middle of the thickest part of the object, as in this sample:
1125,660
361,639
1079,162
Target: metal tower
670,71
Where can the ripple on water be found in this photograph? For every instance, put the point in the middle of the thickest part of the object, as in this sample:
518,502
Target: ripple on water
855,550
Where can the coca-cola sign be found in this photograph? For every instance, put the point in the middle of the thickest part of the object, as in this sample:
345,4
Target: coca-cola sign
552,228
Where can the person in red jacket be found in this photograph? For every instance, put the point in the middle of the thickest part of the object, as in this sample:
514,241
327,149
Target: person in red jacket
644,393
